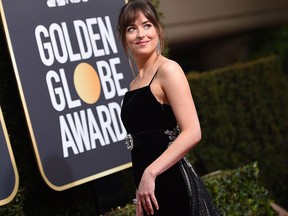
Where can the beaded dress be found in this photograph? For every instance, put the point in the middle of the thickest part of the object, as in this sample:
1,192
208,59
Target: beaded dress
151,126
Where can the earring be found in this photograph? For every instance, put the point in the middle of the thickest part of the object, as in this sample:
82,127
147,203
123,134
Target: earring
130,59
158,47
130,54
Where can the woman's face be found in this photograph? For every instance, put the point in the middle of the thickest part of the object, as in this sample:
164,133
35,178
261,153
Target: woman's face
141,37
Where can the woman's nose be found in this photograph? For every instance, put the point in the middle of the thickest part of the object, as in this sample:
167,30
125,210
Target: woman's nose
140,34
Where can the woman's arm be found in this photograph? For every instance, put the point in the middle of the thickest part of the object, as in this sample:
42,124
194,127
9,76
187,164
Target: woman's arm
176,92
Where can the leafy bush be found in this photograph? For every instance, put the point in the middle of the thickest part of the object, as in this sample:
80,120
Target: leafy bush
244,118
271,41
238,192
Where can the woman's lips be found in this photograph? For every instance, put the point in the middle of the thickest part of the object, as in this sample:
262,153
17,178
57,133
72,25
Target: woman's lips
142,43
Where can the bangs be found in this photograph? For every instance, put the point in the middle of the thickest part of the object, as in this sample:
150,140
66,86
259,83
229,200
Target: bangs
130,18
133,14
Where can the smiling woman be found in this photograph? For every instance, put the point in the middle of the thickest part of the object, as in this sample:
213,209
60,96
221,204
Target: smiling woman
135,36
129,19
161,121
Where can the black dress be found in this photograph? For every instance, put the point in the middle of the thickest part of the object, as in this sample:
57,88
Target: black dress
150,126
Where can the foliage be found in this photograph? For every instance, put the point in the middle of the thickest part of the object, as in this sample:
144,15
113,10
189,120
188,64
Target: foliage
128,210
244,117
238,192
271,41
15,207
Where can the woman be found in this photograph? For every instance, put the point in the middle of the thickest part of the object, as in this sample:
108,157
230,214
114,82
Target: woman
158,104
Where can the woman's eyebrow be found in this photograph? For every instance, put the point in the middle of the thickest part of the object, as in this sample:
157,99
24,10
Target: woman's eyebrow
145,22
131,25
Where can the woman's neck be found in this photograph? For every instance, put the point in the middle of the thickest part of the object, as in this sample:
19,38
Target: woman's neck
145,65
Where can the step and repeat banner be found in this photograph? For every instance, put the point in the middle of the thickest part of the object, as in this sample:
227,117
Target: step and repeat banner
72,74
9,179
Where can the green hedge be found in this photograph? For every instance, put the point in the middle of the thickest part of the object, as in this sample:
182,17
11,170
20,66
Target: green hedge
243,110
235,193
239,193
272,41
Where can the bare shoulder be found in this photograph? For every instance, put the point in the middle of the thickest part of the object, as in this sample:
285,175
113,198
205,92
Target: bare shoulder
173,82
170,69
169,65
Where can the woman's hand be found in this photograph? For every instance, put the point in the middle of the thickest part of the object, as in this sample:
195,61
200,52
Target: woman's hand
145,194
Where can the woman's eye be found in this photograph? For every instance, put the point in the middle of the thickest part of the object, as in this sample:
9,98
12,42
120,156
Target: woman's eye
147,26
130,29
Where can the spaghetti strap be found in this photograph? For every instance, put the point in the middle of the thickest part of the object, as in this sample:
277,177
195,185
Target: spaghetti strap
153,77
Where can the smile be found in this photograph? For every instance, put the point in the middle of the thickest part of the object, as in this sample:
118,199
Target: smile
142,43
